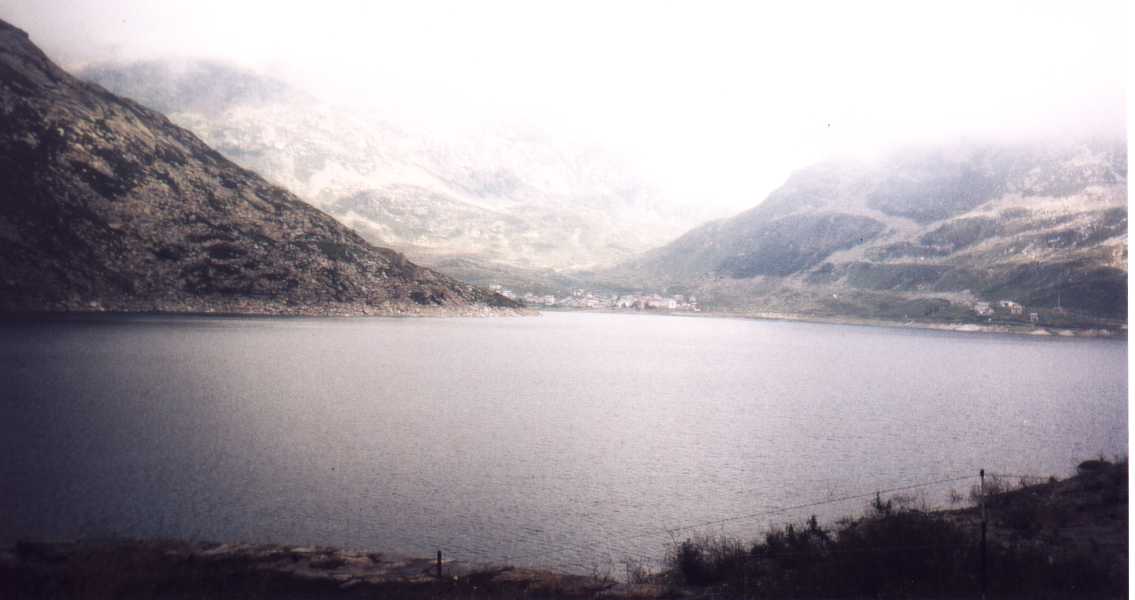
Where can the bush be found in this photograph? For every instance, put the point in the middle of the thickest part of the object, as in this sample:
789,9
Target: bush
707,560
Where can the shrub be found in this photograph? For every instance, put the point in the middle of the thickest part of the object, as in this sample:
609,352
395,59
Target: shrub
892,552
707,560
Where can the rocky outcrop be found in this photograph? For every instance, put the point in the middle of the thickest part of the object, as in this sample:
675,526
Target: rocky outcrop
107,205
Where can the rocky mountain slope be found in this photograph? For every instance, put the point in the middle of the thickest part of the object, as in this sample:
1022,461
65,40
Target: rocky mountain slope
924,234
106,204
496,197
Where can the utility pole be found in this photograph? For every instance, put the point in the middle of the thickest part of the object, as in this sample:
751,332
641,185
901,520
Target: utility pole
982,573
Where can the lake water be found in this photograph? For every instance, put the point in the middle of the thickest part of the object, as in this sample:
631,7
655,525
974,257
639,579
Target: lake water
567,440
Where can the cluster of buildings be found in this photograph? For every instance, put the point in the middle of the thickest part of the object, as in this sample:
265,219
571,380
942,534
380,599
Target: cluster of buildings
586,299
655,301
987,309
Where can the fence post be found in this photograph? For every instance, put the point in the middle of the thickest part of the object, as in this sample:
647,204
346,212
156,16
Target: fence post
983,573
439,564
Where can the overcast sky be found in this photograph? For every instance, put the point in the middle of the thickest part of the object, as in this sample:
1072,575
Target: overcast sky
716,102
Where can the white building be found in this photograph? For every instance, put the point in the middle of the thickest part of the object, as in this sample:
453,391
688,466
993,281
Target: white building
1013,307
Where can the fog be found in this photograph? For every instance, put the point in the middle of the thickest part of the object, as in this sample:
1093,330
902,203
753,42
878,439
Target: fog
716,104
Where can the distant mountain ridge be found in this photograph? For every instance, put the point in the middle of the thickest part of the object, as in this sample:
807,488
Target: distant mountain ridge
107,205
926,233
495,198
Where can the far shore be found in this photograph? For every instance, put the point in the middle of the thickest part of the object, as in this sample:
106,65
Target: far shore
1115,330
345,311
1101,331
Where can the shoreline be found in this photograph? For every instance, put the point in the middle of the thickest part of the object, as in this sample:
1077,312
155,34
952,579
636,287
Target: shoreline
136,568
345,311
1005,329
353,311
1069,520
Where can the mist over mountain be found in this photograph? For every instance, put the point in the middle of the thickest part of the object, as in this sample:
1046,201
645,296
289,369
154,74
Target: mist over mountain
107,205
497,197
927,232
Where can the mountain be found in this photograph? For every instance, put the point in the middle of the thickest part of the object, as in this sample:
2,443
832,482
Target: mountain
106,204
926,233
495,197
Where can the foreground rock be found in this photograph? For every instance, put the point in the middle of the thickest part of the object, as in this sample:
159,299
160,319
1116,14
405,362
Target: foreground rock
106,205
168,569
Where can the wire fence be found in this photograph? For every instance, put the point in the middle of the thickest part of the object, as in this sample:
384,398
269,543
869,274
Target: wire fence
592,557
627,552
1019,476
908,548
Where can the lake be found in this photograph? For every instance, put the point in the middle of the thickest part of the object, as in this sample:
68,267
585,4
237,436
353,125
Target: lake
567,440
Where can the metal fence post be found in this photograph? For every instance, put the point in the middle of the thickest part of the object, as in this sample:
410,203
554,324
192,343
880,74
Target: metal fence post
983,573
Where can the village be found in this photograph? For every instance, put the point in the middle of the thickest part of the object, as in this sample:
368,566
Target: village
1016,311
604,300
